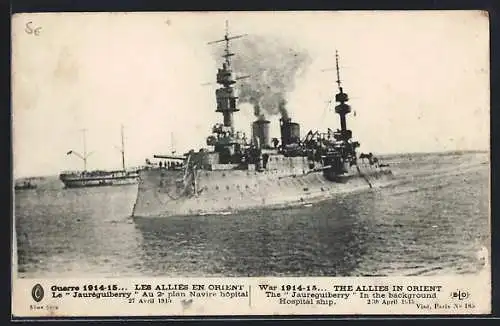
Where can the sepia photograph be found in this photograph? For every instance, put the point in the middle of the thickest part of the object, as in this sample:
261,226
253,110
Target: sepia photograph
250,144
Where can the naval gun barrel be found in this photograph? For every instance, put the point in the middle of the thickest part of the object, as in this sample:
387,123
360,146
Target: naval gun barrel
170,157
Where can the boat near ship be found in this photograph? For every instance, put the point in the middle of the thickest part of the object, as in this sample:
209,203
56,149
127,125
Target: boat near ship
235,173
25,184
98,178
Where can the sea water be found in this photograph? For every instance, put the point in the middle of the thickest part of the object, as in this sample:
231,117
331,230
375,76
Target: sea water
433,222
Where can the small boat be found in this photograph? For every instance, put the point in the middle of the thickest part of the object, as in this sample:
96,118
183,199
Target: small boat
24,185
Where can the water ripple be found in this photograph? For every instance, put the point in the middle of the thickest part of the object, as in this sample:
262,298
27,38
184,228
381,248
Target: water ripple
426,225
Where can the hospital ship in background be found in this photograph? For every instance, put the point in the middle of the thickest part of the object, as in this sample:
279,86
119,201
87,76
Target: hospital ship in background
237,174
98,178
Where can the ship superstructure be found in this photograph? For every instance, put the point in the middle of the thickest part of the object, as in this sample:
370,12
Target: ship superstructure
236,172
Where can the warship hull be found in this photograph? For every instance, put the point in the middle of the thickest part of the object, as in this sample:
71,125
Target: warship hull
161,194
236,173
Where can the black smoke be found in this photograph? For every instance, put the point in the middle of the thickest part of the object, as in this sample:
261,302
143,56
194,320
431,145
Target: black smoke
256,108
283,110
273,67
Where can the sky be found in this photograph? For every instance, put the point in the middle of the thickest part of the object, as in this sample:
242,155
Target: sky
418,81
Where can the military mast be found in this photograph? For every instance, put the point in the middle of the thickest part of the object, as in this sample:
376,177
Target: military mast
226,98
342,109
344,135
226,143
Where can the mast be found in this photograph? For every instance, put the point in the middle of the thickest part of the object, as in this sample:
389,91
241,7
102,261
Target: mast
84,131
172,143
85,154
226,98
123,149
338,81
342,109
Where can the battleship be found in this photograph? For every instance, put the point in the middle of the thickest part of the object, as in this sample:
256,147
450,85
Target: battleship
235,173
98,178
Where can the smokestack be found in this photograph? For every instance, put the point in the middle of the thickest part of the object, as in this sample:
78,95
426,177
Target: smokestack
290,131
294,132
260,133
285,131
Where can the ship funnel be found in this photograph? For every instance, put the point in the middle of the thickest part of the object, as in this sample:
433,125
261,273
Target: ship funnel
260,133
290,132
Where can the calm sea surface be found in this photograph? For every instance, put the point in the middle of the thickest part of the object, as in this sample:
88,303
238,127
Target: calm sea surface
434,222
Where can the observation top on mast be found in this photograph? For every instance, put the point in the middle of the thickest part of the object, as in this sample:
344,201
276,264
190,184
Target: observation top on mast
227,38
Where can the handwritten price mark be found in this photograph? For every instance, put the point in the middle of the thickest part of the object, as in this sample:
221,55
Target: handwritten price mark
30,29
